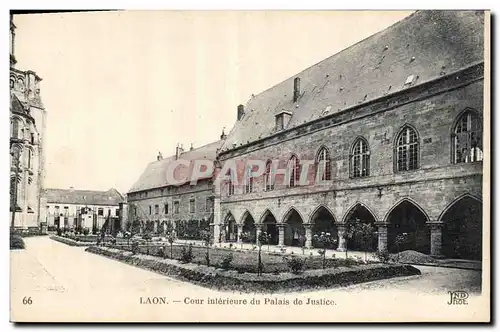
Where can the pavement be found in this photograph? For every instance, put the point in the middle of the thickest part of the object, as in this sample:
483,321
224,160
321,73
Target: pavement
54,282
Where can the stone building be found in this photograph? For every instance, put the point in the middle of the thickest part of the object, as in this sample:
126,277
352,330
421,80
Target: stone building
156,203
394,123
79,209
27,134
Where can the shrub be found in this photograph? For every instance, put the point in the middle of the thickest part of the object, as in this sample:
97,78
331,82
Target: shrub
160,252
187,254
295,264
226,261
86,231
16,242
383,256
59,232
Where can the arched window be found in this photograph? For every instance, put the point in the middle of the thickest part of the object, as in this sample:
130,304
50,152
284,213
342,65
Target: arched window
30,156
323,164
294,171
248,180
467,138
15,128
407,149
230,184
360,159
268,177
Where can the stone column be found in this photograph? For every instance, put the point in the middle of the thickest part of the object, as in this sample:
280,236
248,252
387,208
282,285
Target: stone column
436,237
342,240
239,231
281,235
382,237
308,228
258,230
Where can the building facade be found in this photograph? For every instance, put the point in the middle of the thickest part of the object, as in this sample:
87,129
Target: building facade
394,123
27,140
388,132
78,210
158,205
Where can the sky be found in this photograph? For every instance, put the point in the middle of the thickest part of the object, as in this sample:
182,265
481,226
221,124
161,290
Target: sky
119,87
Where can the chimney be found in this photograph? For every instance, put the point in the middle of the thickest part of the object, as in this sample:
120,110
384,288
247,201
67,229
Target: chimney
178,151
191,148
241,112
159,157
296,89
223,136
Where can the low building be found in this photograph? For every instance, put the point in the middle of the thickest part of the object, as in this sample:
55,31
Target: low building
155,204
84,209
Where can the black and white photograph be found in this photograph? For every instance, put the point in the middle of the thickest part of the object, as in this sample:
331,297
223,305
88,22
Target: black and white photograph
250,166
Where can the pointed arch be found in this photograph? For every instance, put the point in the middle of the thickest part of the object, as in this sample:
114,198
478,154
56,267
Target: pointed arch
456,200
406,149
318,209
359,158
229,216
267,212
353,207
462,231
323,163
245,214
406,218
409,200
288,213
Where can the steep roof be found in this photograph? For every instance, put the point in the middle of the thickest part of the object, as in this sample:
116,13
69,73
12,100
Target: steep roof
426,44
84,197
155,175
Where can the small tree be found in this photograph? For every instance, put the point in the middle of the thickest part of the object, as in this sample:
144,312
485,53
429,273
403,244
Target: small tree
350,231
262,239
326,240
206,237
171,238
245,237
401,238
364,232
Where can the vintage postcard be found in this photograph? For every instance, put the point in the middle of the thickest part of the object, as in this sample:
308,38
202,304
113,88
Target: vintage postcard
250,166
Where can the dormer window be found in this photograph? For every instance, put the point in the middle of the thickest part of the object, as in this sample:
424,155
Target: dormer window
282,120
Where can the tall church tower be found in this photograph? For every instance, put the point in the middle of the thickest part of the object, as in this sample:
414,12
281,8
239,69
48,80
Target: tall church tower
27,137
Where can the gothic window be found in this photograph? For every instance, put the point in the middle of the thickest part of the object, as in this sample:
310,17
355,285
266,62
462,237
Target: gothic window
157,209
209,205
165,209
15,128
360,159
248,181
191,206
30,154
467,138
268,177
407,148
230,185
294,171
323,164
176,207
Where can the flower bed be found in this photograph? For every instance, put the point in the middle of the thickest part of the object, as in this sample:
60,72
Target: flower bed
71,242
212,277
243,260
